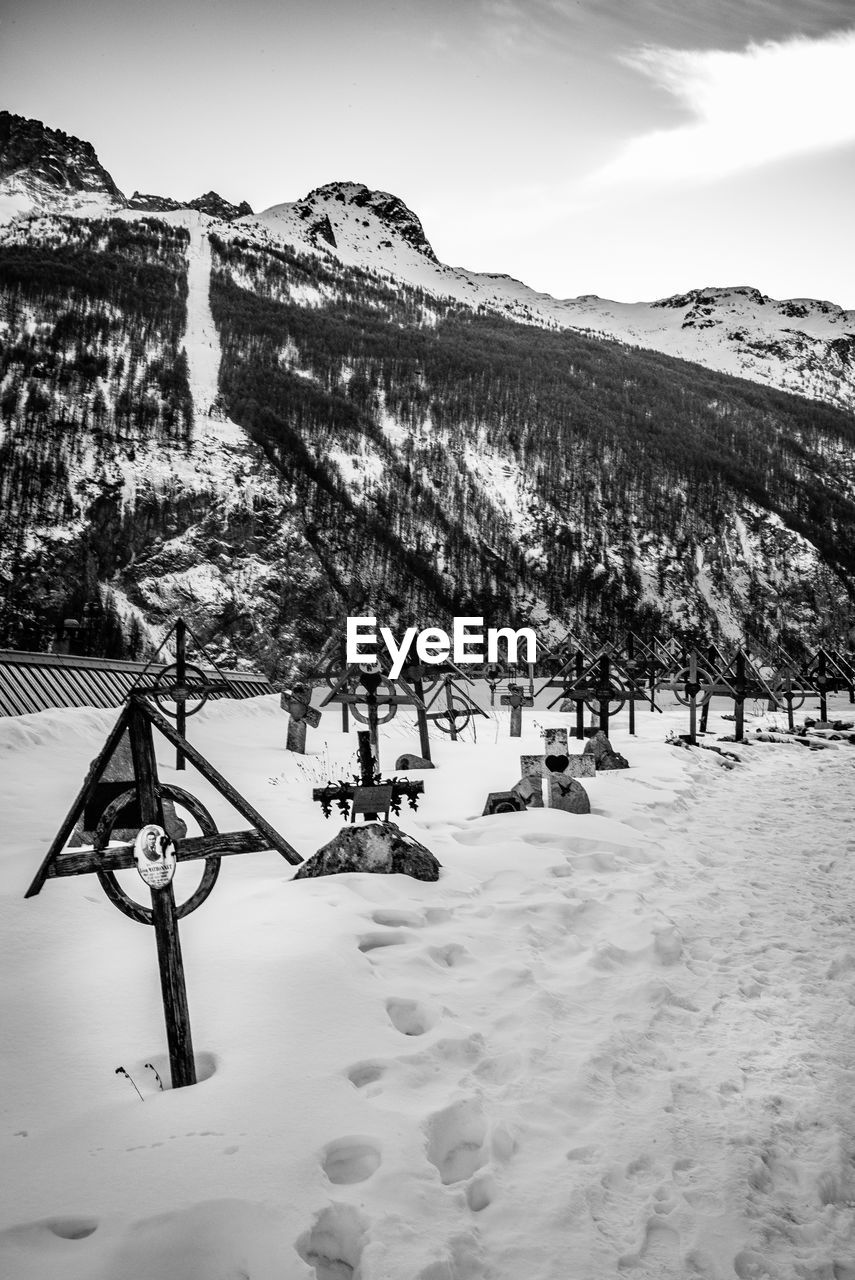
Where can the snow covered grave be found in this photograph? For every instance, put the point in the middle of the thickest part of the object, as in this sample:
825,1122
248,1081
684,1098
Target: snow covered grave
613,1044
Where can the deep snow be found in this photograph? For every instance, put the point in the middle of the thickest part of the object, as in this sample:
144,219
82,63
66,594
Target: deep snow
616,1045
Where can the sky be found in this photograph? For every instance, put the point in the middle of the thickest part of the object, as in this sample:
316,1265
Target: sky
627,148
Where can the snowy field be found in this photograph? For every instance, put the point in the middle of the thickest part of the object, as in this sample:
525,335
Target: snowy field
618,1045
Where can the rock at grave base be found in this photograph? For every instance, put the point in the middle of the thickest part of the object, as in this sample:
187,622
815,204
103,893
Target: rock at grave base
605,756
413,762
568,794
380,848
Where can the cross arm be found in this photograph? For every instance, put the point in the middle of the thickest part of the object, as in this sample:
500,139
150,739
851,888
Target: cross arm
79,862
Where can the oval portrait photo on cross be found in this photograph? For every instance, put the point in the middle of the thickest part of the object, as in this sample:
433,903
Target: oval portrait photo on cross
154,854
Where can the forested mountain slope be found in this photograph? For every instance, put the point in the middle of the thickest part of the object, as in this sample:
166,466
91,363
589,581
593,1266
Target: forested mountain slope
263,439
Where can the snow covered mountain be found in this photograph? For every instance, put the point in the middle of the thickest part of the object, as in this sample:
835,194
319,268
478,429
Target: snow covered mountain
801,344
267,421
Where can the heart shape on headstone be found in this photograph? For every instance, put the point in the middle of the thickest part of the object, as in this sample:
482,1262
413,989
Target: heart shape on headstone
556,764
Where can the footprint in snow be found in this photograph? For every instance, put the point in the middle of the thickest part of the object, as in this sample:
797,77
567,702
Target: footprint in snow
457,1138
349,1160
333,1245
410,1017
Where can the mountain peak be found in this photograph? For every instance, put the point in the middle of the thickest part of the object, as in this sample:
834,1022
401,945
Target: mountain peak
337,200
53,161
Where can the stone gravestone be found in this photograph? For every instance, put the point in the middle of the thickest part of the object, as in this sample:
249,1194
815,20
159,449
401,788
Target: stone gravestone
561,771
516,699
296,702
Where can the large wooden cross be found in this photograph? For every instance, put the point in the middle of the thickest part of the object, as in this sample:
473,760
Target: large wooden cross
381,697
145,796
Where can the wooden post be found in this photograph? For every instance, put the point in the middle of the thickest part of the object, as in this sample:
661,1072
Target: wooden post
450,705
739,699
516,719
605,680
788,697
822,684
373,727
368,762
630,666
181,679
705,710
579,731
173,988
421,718
693,706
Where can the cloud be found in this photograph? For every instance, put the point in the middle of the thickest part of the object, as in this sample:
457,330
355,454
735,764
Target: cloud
764,103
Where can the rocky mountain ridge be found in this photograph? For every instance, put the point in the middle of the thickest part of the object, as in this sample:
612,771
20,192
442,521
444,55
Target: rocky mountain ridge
45,170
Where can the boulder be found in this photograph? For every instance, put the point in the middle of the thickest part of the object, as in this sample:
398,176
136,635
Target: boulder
605,756
409,761
380,848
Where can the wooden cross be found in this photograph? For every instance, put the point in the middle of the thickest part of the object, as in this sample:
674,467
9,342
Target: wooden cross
459,707
146,791
516,698
494,673
557,765
738,679
297,702
825,672
181,683
604,687
346,690
368,793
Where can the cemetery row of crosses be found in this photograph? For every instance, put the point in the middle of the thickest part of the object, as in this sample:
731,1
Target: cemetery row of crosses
124,816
